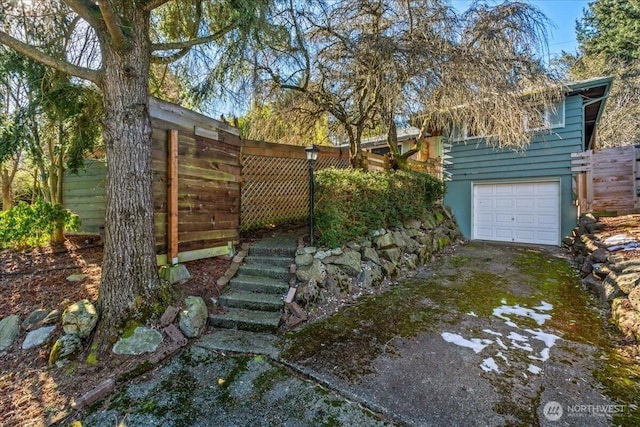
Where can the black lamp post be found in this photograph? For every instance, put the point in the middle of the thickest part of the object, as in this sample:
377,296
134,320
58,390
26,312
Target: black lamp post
312,156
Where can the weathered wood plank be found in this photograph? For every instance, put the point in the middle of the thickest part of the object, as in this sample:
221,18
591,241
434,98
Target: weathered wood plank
198,254
176,114
172,197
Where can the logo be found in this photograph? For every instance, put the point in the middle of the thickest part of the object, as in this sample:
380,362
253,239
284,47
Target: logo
552,411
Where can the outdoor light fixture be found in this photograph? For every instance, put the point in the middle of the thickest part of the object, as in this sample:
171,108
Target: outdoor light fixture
312,155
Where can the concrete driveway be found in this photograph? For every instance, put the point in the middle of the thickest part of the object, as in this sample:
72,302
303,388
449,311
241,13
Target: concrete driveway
487,335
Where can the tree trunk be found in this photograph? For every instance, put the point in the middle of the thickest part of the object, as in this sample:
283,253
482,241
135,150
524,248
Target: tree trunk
58,232
130,286
7,200
355,150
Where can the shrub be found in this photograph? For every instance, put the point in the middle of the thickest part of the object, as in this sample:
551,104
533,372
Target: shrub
27,225
351,202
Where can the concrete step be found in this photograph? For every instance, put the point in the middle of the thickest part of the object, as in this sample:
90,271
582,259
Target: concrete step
269,260
251,300
248,320
284,250
265,285
265,270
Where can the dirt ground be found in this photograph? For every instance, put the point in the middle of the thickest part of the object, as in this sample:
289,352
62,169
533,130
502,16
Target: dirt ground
34,394
31,392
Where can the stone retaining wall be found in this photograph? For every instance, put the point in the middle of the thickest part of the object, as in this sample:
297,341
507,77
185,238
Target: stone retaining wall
607,273
360,266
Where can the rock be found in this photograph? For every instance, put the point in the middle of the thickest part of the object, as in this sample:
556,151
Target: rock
410,261
600,270
388,268
411,245
80,318
412,232
34,318
400,239
392,254
609,289
309,293
143,340
65,347
587,267
384,241
429,222
378,232
350,262
52,317
593,227
77,277
626,281
336,252
177,273
9,328
38,337
371,275
338,282
568,241
625,317
412,224
322,255
629,266
588,219
353,245
316,271
600,255
309,250
365,243
634,298
304,260
592,284
193,319
425,239
369,254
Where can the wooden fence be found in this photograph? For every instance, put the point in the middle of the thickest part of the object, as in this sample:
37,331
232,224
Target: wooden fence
196,168
196,185
608,180
207,184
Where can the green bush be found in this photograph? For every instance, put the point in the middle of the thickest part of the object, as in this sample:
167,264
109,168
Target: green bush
27,225
350,202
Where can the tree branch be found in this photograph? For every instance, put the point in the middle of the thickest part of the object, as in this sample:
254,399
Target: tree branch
39,56
154,4
169,58
86,10
113,24
187,44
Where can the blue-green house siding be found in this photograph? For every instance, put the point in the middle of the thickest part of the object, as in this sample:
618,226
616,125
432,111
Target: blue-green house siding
548,157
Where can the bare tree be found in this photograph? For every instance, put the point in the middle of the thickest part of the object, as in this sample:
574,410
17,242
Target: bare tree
372,62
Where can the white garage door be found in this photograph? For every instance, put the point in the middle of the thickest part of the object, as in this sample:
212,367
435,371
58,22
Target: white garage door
523,212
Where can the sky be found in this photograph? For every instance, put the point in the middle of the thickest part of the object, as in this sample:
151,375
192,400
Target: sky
563,14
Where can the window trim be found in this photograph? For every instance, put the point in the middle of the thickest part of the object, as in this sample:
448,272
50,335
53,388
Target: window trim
547,122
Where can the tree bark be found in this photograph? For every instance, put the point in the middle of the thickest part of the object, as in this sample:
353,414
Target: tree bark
7,200
130,286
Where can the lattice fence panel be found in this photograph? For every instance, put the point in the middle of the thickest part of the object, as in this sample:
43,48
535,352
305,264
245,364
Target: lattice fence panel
276,189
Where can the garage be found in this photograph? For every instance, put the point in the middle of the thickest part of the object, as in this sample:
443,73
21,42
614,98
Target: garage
522,212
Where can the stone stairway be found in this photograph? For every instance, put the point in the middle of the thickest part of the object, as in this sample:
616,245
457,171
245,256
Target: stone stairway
253,299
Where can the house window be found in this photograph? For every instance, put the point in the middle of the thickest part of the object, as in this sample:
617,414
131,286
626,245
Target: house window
547,118
463,133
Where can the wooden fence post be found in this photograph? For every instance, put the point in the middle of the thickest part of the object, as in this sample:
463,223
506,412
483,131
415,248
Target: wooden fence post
172,197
